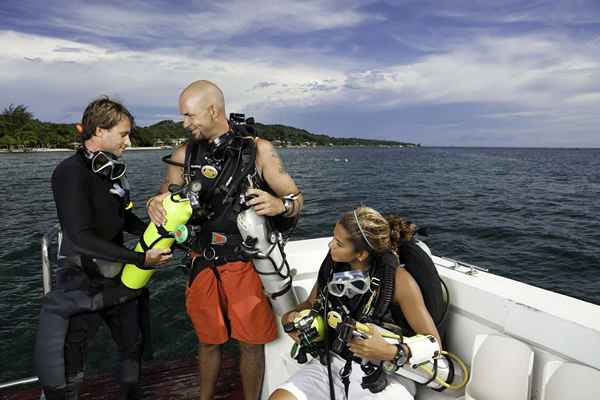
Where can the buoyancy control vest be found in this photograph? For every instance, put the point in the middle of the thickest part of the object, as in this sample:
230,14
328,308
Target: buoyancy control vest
223,170
420,266
382,274
383,277
377,305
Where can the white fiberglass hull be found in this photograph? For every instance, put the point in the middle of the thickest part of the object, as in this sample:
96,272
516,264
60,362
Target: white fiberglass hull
557,327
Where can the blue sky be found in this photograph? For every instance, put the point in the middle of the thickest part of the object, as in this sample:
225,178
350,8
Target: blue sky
467,73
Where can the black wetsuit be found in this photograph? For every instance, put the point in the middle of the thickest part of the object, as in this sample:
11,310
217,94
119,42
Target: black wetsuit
93,220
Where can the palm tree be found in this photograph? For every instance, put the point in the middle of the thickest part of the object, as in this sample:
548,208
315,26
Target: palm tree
17,116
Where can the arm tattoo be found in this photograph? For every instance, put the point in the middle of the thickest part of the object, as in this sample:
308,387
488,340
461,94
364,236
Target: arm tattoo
278,162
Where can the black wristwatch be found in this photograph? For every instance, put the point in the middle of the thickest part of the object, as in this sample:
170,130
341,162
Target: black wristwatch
401,357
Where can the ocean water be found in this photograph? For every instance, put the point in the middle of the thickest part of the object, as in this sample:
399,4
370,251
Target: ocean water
528,214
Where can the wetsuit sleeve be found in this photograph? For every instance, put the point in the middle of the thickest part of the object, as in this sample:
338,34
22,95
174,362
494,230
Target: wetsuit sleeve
75,213
133,223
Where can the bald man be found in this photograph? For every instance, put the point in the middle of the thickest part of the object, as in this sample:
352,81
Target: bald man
224,298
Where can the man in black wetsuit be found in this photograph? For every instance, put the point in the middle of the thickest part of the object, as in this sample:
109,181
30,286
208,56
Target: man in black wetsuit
92,201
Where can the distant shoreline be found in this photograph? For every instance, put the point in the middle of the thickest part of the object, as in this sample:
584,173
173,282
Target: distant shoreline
59,150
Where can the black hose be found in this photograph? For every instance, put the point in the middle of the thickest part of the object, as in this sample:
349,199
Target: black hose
387,292
167,159
328,352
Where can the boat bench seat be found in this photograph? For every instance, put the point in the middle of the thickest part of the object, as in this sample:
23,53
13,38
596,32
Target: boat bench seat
501,369
563,380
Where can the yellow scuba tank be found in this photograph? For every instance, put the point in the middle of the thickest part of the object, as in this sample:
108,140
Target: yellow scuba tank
310,325
178,212
311,331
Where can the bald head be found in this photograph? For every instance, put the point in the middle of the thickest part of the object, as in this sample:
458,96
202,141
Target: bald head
202,105
205,94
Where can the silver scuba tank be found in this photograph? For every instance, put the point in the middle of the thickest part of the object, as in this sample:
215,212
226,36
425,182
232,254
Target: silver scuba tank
444,369
265,246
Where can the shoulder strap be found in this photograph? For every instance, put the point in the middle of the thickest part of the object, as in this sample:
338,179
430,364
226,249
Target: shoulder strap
246,165
191,150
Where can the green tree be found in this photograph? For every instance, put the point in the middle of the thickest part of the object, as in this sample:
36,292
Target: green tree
8,142
17,116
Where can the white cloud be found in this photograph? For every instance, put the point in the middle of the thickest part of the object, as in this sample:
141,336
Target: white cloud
530,71
550,12
585,99
65,80
204,21
548,83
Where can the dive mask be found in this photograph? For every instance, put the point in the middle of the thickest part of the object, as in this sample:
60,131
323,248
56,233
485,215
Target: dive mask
108,165
349,283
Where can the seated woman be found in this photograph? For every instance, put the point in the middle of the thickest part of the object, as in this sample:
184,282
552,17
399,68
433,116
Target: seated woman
361,247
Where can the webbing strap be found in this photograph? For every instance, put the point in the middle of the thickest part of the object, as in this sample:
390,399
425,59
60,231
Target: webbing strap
345,375
163,234
222,298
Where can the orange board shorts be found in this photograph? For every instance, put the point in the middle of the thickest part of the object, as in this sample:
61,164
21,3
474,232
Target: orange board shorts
249,311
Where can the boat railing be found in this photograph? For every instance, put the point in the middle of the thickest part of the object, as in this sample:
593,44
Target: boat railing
47,276
465,268
54,233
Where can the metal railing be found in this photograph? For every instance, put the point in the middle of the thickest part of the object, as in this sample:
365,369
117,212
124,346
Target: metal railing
53,233
463,267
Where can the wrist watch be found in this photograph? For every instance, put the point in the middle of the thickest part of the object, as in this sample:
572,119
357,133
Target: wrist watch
391,366
288,205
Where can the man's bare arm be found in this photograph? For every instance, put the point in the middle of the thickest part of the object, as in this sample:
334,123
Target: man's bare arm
271,168
173,176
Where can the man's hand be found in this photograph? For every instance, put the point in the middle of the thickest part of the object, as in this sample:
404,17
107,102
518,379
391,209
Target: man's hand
155,209
156,257
265,203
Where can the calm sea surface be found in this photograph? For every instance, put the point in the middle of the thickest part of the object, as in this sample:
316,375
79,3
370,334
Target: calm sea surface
528,214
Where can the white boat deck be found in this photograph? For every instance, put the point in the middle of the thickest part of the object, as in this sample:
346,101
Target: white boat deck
556,327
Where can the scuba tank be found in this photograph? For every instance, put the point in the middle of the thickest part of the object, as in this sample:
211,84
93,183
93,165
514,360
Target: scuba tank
427,364
178,212
311,331
265,247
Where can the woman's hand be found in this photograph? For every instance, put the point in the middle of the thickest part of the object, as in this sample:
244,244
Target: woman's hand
374,347
287,318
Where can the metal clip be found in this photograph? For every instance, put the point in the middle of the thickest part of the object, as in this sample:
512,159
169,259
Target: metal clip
213,253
